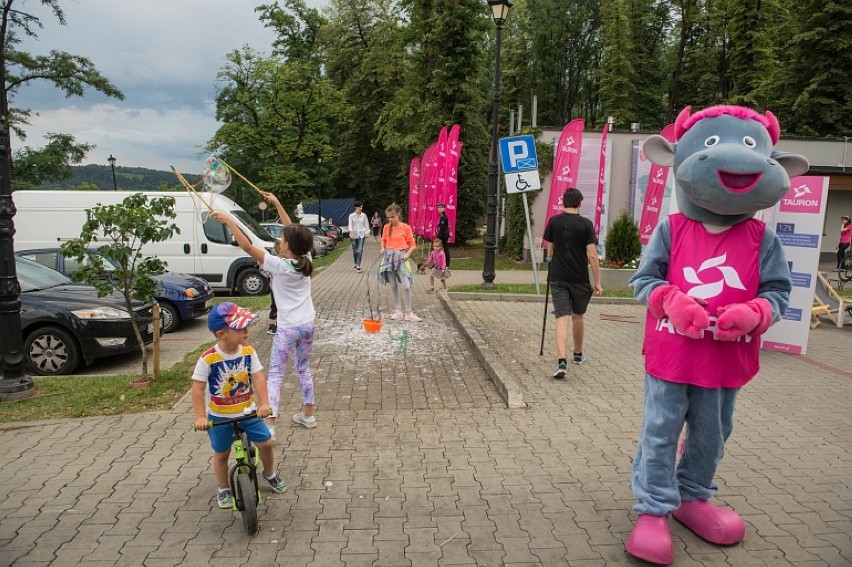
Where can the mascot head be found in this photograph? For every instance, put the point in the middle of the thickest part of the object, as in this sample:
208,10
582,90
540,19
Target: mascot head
724,166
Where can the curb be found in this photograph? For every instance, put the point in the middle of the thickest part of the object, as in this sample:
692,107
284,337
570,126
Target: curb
505,382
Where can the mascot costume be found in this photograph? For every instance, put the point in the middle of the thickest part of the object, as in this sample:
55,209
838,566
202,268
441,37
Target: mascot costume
713,279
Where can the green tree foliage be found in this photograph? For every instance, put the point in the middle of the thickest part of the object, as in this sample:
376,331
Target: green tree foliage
819,90
72,74
119,232
619,78
622,240
32,167
754,64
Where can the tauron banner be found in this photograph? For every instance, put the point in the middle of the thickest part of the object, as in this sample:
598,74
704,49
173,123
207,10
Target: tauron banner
601,174
439,180
655,193
566,164
454,147
413,189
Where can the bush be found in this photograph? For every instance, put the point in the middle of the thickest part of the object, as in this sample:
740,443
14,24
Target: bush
622,241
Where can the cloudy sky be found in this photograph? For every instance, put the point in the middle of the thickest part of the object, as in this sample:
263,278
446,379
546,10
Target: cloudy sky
162,54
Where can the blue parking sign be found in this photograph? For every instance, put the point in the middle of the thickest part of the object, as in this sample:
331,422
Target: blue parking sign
518,154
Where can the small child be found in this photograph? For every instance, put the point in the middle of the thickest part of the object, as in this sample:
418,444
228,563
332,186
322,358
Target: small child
438,261
225,379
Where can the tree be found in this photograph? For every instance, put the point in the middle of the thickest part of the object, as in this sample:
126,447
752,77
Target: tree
32,167
70,73
622,240
119,232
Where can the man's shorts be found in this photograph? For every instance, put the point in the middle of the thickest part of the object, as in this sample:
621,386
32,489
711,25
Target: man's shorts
570,298
222,437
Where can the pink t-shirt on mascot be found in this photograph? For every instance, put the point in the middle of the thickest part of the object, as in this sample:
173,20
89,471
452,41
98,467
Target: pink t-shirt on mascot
714,279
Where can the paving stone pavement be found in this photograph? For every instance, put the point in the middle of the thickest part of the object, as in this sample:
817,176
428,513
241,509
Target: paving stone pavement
418,461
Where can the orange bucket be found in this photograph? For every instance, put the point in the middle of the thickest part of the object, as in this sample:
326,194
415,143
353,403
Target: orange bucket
372,325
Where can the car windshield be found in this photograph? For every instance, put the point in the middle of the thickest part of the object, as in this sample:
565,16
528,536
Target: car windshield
252,225
33,276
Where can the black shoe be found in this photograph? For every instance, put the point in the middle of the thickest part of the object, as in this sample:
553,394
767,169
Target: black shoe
272,329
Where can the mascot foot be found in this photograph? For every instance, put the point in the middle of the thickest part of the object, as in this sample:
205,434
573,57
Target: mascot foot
651,540
721,526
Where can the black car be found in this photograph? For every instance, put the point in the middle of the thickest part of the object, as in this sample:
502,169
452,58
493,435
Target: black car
65,323
181,297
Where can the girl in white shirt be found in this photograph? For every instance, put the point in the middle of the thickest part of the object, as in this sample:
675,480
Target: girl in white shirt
291,287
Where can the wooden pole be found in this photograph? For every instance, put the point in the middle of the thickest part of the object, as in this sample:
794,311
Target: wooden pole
156,312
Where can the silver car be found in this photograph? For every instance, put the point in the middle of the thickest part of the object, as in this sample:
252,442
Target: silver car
321,244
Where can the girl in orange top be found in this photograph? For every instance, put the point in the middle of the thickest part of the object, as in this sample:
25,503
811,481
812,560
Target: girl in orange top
397,248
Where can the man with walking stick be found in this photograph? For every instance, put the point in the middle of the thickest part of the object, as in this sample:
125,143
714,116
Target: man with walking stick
572,246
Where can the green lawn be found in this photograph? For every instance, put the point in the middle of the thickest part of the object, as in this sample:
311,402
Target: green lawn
471,256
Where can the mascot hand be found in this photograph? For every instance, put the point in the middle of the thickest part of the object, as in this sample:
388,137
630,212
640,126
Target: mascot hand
686,313
737,319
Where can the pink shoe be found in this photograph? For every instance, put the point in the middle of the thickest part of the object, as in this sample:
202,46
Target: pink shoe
651,540
396,314
410,316
721,526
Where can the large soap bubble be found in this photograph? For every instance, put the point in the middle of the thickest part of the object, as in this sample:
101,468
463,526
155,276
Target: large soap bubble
217,176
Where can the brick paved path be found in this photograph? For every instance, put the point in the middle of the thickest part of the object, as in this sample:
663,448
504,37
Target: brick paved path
417,461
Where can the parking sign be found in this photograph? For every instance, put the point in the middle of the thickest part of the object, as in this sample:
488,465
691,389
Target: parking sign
517,153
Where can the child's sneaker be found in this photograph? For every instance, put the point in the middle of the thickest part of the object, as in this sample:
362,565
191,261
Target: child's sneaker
412,317
430,290
579,358
396,314
275,482
561,369
271,330
223,498
308,421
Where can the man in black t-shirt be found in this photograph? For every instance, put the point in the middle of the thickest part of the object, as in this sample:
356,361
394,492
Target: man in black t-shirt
572,246
444,231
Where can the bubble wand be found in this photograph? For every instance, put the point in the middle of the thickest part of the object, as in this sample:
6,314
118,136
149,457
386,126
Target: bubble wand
189,187
240,175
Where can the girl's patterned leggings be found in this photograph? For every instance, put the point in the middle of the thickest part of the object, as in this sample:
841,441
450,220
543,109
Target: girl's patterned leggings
302,338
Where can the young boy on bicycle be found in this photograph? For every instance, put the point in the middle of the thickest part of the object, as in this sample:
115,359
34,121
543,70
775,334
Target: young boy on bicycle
225,379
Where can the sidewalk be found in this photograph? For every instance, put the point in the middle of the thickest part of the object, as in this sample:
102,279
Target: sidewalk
418,461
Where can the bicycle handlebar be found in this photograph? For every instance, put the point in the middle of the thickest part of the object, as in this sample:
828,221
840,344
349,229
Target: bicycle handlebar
230,420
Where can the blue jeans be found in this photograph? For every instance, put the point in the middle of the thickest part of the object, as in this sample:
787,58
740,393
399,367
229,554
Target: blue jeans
358,249
708,413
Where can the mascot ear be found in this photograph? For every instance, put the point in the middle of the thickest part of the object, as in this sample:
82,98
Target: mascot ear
794,164
659,150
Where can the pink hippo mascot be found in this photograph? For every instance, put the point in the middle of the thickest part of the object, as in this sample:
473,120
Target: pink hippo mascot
713,279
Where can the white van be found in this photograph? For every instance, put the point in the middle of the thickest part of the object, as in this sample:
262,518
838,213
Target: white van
204,247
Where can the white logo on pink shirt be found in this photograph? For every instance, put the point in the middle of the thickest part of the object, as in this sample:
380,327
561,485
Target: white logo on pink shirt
707,290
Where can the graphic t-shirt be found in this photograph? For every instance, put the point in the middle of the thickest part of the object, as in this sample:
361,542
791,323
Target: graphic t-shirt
228,377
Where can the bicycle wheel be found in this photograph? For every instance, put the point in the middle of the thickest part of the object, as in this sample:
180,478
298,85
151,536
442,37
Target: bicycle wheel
247,495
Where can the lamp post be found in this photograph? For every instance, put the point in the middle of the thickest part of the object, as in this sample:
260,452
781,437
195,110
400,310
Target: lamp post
111,161
319,192
15,383
500,11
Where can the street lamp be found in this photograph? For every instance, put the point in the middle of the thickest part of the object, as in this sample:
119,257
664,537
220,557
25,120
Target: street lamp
111,161
319,191
500,11
14,383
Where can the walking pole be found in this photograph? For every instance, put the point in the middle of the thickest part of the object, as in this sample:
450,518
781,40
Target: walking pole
544,319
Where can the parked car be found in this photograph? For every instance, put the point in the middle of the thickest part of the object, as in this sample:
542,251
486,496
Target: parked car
322,245
319,233
333,229
181,297
66,324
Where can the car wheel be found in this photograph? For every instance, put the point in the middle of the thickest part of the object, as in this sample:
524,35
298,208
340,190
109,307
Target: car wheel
170,317
52,351
251,282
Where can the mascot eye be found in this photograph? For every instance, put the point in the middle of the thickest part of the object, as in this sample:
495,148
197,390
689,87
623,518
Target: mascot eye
711,141
749,142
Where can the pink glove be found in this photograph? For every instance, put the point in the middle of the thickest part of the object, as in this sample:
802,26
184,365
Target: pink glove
686,313
751,318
